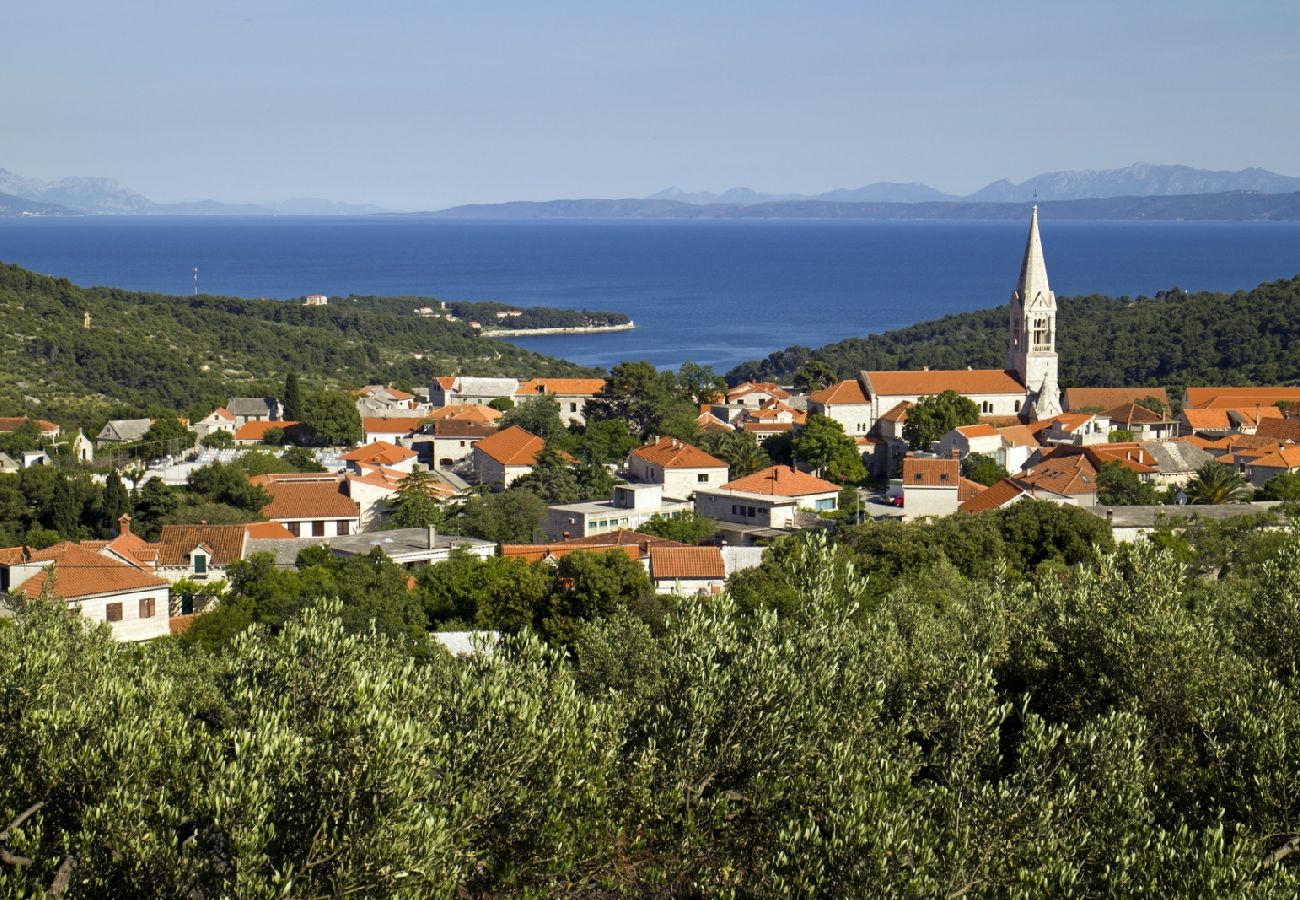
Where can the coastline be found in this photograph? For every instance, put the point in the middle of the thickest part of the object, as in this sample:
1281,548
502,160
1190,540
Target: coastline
583,329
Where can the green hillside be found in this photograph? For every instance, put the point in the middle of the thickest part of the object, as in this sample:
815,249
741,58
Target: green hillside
1173,339
144,349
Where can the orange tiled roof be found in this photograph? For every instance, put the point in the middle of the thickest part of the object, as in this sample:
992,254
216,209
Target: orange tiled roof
980,430
993,497
686,562
936,381
968,490
1287,457
267,531
670,453
781,481
572,387
1064,475
463,428
1203,397
707,421
403,425
468,412
1131,414
381,453
931,472
308,500
1207,419
752,387
256,431
14,423
80,572
222,413
842,392
898,412
1079,399
512,447
226,542
1069,422
1280,429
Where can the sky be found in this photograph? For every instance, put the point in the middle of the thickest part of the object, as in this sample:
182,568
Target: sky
423,105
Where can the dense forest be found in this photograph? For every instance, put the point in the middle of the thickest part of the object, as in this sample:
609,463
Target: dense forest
1002,705
1173,339
145,349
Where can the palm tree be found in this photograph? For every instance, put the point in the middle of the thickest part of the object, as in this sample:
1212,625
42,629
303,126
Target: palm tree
1215,484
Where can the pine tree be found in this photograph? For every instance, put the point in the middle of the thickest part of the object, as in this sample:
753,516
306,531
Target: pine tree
292,407
116,501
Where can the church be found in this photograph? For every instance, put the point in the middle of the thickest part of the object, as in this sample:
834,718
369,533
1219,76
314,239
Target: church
1026,390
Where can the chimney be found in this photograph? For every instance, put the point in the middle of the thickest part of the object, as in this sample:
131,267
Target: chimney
123,525
1110,516
432,534
925,368
564,535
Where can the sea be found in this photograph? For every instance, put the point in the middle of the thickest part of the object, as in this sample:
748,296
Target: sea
716,292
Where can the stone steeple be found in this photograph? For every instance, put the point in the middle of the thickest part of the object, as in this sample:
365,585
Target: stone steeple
1031,348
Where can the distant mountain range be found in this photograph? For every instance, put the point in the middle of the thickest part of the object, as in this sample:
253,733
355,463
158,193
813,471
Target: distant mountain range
104,196
1229,205
1137,180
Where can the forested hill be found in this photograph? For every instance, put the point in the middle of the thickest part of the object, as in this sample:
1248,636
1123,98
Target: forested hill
184,352
1173,339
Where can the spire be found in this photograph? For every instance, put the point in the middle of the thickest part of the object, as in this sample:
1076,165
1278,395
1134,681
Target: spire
1033,270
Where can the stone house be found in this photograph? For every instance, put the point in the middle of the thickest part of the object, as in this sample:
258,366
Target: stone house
679,467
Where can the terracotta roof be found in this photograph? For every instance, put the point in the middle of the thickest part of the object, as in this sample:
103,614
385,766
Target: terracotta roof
1281,429
1202,397
1287,457
936,381
397,394
898,412
781,481
1079,399
707,421
1131,413
1000,421
634,543
80,572
308,500
993,497
512,447
256,431
226,543
981,430
463,428
267,531
1070,422
14,423
575,387
1128,454
380,453
1207,419
403,425
131,548
670,453
931,472
968,490
847,391
446,382
222,413
752,387
470,412
1065,476
686,562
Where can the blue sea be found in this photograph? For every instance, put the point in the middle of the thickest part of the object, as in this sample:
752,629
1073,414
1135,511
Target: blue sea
716,292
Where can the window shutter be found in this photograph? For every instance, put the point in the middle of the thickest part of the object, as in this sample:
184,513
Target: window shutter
113,612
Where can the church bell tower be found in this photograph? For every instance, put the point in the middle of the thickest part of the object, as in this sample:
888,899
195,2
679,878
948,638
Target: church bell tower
1031,349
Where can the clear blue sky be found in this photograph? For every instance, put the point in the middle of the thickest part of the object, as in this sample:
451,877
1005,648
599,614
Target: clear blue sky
419,105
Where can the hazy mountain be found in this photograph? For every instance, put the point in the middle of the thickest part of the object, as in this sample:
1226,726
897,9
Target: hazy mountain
1137,180
886,192
737,196
21,206
1232,205
106,196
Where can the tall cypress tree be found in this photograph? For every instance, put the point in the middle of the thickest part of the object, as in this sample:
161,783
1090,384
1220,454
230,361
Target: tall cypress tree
65,509
291,408
116,501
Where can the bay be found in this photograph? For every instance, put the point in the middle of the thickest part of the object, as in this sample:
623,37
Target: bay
716,292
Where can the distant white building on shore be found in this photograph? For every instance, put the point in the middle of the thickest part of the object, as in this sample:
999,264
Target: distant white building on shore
316,300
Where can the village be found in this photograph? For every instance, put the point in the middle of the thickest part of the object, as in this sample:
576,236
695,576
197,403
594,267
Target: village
884,445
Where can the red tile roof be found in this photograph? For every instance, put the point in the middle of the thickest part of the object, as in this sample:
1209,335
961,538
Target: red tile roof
463,428
80,572
267,531
634,543
226,543
686,562
1207,419
842,392
380,453
14,423
707,421
256,431
1203,397
968,490
781,481
1280,429
993,497
1065,476
931,472
670,453
1287,457
300,499
1132,414
1069,422
753,387
572,387
512,447
1079,399
980,430
936,381
469,412
898,412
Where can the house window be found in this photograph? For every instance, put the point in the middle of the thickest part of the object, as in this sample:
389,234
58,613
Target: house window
200,562
1017,406
295,528
113,612
146,607
1042,334
702,479
862,426
986,407
826,504
343,527
318,529
573,407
